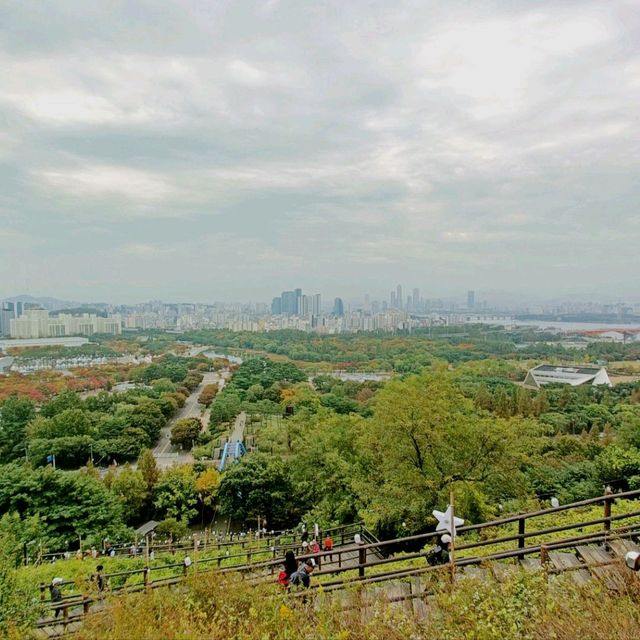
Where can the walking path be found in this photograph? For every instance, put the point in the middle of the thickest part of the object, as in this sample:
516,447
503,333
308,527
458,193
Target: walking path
237,435
165,453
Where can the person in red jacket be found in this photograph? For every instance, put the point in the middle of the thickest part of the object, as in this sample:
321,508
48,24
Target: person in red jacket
328,546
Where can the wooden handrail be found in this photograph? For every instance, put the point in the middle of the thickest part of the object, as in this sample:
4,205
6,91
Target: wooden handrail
520,537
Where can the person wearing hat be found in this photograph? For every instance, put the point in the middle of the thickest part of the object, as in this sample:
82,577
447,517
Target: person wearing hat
440,553
303,575
56,593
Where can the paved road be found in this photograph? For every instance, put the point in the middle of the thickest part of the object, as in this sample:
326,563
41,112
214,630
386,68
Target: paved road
237,435
167,454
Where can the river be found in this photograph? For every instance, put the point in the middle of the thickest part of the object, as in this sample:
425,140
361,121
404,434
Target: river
575,326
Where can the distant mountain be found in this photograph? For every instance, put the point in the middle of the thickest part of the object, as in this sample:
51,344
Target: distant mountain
79,310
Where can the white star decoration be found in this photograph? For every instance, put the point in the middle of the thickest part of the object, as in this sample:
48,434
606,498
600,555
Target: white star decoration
444,521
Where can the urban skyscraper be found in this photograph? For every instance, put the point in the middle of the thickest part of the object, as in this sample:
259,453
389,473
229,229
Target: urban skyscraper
416,299
471,299
399,296
338,307
289,304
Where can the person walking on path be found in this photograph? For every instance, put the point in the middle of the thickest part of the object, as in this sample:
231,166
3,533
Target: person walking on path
101,581
314,547
328,546
56,593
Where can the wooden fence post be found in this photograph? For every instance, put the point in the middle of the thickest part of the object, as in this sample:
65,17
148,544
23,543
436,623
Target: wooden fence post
544,556
521,538
607,509
362,559
65,616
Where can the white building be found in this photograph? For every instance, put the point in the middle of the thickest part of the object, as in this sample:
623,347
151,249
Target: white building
36,323
574,376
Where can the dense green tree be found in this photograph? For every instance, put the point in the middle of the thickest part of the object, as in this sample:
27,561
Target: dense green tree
170,528
502,403
175,493
15,414
71,422
70,503
148,467
615,465
226,407
184,432
164,385
167,404
259,485
540,403
424,439
109,426
130,487
325,464
628,419
62,402
483,398
146,415
70,452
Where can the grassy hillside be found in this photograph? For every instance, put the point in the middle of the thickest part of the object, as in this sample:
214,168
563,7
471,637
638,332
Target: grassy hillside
522,608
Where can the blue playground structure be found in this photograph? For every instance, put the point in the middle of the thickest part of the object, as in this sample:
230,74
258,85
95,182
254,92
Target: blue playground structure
232,450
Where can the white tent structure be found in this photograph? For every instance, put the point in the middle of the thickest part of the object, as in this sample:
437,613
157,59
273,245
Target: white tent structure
575,376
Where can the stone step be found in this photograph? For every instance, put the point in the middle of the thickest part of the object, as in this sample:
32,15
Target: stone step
531,564
504,572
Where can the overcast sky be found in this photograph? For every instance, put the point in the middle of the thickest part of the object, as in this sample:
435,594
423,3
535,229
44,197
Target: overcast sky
209,150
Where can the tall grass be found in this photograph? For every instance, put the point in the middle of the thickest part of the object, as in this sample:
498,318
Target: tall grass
525,607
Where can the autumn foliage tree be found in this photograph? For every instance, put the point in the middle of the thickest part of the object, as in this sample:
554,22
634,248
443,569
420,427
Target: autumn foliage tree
208,394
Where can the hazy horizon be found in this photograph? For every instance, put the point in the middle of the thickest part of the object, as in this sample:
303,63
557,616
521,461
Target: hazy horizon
230,151
493,298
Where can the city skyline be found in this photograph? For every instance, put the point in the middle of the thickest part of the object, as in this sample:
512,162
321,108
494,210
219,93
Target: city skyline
490,145
477,297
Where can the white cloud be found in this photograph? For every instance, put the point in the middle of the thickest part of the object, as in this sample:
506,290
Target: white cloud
245,73
144,250
374,140
493,62
104,181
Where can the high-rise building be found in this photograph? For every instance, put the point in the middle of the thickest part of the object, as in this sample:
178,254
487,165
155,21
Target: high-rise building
304,306
392,300
471,299
316,304
298,310
338,307
416,300
276,306
399,296
7,313
289,303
